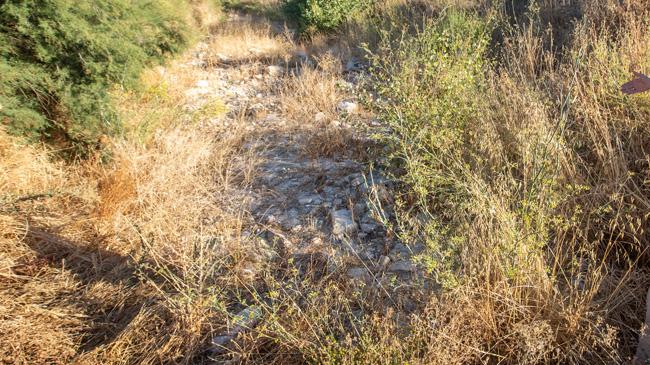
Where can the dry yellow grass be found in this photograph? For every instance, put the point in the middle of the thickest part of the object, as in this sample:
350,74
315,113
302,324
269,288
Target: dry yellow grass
129,276
122,261
246,39
309,100
136,260
32,330
313,91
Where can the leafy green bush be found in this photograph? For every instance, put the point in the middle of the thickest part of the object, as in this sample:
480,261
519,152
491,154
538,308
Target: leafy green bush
323,15
59,59
429,86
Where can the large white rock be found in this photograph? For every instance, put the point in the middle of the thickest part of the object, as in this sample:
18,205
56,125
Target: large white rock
275,70
349,107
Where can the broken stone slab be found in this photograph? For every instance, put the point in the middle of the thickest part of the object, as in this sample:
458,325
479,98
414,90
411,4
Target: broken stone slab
286,185
275,70
400,251
244,321
290,220
369,254
342,223
368,227
369,218
356,179
360,209
348,107
359,273
314,199
329,192
402,266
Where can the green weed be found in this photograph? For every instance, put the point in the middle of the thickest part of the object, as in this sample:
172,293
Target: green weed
59,58
323,15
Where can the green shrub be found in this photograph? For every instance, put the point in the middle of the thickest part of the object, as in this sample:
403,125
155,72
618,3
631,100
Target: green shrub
430,87
323,15
60,58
